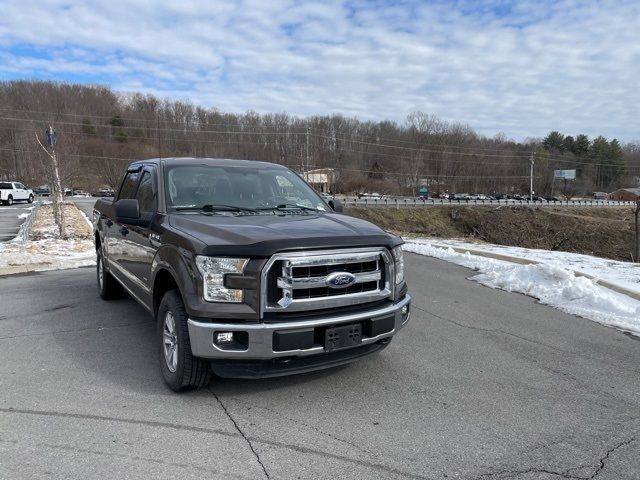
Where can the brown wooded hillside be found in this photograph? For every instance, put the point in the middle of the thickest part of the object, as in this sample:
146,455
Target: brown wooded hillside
98,131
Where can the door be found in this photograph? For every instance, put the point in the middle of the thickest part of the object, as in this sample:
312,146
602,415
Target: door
138,240
115,239
20,192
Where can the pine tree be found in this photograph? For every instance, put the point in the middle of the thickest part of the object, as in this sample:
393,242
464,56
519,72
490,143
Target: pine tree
554,142
581,145
569,144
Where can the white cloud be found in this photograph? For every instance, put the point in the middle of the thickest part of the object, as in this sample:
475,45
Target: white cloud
522,69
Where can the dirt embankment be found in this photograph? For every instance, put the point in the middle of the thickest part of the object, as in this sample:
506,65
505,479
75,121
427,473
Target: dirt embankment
604,232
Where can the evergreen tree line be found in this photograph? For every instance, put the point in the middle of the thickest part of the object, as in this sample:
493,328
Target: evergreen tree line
100,131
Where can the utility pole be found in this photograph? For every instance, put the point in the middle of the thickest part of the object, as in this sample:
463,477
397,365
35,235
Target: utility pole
531,179
307,152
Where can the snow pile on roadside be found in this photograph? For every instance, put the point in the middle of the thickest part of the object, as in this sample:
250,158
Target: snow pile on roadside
551,284
46,250
49,254
624,274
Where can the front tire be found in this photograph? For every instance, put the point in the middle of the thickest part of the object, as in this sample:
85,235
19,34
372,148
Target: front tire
108,287
180,369
30,200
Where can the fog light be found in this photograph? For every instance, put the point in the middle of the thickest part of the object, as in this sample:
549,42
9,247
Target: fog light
405,314
223,337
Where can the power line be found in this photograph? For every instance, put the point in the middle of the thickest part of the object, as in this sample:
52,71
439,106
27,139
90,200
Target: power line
323,134
102,157
236,132
507,160
142,120
179,130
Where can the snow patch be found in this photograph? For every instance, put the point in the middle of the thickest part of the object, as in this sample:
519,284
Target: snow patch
548,282
50,254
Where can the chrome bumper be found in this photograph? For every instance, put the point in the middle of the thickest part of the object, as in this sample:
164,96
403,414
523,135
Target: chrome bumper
260,335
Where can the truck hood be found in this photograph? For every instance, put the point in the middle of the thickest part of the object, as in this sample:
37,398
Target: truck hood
264,235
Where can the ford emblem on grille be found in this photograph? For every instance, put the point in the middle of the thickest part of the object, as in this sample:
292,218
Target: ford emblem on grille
340,280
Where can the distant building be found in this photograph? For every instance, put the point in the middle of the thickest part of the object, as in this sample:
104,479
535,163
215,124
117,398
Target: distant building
625,195
322,179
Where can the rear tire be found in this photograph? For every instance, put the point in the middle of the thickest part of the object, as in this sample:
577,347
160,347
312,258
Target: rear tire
180,369
108,287
9,201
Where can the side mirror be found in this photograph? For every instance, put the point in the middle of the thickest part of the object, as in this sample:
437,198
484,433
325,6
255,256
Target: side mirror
336,205
127,211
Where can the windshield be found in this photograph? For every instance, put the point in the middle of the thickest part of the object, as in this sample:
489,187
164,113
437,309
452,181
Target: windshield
222,188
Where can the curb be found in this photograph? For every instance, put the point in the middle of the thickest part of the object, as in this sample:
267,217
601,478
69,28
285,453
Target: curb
29,268
523,261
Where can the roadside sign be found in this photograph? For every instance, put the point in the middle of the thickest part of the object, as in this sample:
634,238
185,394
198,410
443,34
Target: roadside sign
565,174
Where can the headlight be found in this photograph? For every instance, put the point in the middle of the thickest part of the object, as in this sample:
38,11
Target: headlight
398,258
213,270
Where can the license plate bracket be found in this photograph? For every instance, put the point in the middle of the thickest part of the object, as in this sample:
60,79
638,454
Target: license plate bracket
343,336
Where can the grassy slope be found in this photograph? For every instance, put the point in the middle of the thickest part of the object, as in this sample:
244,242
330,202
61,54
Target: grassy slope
595,231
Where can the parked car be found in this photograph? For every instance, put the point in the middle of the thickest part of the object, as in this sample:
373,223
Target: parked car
326,196
103,192
246,270
11,192
42,191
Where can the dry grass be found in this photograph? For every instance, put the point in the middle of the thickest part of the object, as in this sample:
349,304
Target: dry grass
44,225
604,232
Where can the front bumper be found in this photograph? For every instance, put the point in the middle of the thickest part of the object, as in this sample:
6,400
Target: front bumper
260,343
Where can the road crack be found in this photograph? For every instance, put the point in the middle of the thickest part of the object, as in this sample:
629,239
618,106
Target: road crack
384,469
77,330
609,452
235,424
504,474
492,330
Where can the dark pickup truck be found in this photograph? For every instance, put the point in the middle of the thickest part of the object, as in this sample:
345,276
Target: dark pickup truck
247,270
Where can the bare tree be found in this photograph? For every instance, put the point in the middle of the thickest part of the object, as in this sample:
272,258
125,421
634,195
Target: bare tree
56,189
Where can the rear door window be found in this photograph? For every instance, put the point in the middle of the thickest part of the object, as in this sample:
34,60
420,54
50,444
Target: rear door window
6,186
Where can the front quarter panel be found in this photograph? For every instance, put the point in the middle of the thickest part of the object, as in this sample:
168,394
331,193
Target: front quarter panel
177,257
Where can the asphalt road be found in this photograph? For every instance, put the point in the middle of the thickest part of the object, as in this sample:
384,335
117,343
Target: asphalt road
9,221
482,384
86,205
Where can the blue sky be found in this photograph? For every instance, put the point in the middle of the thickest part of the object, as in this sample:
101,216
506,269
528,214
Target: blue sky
520,68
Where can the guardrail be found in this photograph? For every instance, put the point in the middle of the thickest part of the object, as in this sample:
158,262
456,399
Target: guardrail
435,202
25,228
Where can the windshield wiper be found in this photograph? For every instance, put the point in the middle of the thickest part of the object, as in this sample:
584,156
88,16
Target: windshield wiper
216,207
290,206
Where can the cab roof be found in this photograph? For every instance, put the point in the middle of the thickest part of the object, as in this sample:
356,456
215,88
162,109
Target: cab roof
211,162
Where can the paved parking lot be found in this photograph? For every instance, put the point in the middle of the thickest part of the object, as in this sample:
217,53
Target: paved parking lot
86,205
482,384
9,220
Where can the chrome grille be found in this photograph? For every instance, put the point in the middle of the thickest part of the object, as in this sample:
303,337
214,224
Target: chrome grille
299,281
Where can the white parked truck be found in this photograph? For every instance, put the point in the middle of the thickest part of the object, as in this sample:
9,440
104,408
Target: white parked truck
14,192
